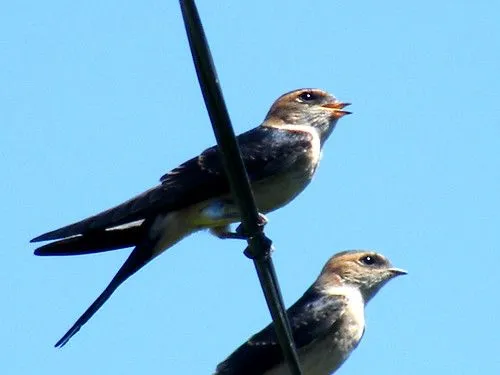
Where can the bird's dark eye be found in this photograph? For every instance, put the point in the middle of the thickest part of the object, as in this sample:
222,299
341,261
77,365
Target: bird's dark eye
308,96
369,260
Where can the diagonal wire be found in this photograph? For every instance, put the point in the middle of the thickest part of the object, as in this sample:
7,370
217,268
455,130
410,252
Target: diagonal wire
259,246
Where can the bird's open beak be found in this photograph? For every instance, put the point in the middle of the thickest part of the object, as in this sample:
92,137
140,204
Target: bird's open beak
336,108
397,271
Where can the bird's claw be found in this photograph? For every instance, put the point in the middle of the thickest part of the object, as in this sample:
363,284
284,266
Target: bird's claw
240,230
239,233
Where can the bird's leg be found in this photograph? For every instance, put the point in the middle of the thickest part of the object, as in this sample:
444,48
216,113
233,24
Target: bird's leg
225,232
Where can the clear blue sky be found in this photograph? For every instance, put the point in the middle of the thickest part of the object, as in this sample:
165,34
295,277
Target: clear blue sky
99,98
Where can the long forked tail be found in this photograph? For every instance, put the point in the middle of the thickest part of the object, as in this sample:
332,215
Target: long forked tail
152,242
137,259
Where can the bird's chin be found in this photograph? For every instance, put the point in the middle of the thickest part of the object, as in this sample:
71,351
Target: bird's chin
326,130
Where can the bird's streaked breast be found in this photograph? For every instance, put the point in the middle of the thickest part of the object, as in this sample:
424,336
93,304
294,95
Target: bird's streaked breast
314,153
276,191
355,310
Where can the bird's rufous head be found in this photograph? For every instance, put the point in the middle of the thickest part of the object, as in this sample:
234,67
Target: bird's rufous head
310,107
366,270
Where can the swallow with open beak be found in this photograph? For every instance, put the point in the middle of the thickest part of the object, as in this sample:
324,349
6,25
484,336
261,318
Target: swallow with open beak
281,156
327,322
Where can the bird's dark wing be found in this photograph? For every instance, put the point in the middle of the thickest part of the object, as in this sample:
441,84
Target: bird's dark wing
266,151
311,317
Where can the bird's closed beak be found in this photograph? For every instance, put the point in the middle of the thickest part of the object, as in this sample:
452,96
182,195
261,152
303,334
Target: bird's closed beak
397,271
336,108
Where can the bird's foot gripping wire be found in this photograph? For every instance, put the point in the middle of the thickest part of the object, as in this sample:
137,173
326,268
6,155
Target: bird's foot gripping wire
239,233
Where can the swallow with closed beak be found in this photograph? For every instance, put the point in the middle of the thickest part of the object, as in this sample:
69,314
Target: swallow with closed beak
327,322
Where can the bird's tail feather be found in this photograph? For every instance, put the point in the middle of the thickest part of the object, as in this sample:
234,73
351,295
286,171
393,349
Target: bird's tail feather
141,255
93,242
148,246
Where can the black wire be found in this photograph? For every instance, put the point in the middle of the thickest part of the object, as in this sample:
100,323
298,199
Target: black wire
259,246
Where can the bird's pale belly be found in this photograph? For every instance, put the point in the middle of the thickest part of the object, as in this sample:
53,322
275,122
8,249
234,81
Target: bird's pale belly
277,191
270,194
